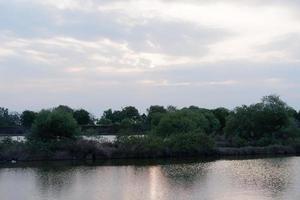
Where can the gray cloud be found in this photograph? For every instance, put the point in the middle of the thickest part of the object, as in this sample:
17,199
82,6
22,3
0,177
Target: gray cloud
100,54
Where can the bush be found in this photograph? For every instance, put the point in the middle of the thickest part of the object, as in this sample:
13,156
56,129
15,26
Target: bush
268,122
151,145
184,121
173,123
141,144
190,143
53,125
82,117
8,119
237,141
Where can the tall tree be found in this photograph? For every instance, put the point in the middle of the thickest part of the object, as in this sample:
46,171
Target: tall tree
7,118
27,118
82,117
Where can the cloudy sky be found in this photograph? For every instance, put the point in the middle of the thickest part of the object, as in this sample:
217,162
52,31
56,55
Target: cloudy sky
98,54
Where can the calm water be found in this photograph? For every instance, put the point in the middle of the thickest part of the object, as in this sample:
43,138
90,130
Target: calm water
268,178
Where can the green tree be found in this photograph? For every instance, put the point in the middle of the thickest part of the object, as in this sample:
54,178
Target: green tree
171,108
27,118
221,114
64,108
128,119
297,117
130,112
155,109
54,125
155,113
192,142
111,116
7,118
127,126
174,124
82,117
270,120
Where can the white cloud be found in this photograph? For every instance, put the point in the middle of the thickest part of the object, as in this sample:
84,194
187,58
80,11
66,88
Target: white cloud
250,26
158,48
188,83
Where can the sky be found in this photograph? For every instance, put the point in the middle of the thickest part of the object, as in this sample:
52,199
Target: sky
100,54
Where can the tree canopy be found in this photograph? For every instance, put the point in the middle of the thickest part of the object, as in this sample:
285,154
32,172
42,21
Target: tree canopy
27,118
268,121
54,125
82,117
7,118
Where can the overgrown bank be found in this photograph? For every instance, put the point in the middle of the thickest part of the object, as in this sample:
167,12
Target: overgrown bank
129,147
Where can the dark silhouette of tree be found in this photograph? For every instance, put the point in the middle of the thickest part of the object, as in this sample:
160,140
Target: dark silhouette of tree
27,118
82,117
8,119
53,125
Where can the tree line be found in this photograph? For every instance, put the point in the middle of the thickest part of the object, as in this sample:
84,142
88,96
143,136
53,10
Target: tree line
270,121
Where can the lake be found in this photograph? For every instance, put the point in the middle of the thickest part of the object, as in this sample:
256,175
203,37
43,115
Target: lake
246,179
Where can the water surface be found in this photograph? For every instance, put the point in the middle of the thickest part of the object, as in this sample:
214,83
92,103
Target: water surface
264,178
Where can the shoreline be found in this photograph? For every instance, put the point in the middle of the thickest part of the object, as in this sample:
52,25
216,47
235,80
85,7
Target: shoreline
99,156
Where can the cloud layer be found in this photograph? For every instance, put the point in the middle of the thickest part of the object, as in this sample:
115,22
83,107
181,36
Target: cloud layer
98,53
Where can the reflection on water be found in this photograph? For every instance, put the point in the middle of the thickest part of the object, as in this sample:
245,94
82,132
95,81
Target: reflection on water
268,178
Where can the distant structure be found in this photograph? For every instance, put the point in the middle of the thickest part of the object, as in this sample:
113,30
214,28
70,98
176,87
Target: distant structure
97,129
12,131
102,129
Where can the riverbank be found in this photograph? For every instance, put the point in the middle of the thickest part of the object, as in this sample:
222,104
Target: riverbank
83,150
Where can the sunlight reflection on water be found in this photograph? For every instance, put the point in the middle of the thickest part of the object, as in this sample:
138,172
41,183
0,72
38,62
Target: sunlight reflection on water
268,178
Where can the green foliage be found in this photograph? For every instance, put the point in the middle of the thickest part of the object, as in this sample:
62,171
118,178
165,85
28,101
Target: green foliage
130,112
154,115
138,144
8,119
27,118
237,141
128,119
104,121
155,109
190,143
64,108
82,117
173,123
89,132
221,114
53,125
171,108
118,116
169,130
127,126
268,121
184,121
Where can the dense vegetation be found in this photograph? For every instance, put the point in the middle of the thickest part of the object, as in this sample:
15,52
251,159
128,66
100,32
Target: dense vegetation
163,131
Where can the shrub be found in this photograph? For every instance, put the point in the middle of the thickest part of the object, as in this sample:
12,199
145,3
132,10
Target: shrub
263,123
151,145
190,143
237,141
82,117
184,121
173,123
53,125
